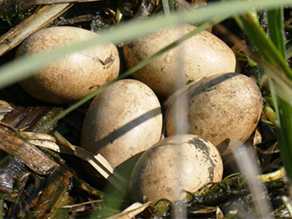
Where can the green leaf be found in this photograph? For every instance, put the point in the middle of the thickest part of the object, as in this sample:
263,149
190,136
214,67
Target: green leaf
265,45
276,28
273,51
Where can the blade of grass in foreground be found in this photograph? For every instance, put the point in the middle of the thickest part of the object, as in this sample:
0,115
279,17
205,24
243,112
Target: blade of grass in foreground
284,121
22,68
276,28
273,50
264,44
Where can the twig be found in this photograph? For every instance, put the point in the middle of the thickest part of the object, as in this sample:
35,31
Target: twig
97,161
27,4
28,154
40,19
61,145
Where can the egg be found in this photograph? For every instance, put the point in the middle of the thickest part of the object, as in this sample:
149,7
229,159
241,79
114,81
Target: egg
122,121
74,76
223,108
178,162
199,56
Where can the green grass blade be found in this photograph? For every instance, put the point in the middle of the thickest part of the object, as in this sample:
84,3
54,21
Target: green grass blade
273,51
264,44
120,11
284,123
284,130
276,28
283,126
22,68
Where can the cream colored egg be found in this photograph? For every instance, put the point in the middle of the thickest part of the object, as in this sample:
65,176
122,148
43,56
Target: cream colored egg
223,108
178,162
74,76
122,122
202,55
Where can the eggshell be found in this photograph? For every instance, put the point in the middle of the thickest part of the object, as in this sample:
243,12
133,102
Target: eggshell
201,55
74,76
178,162
123,121
223,108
